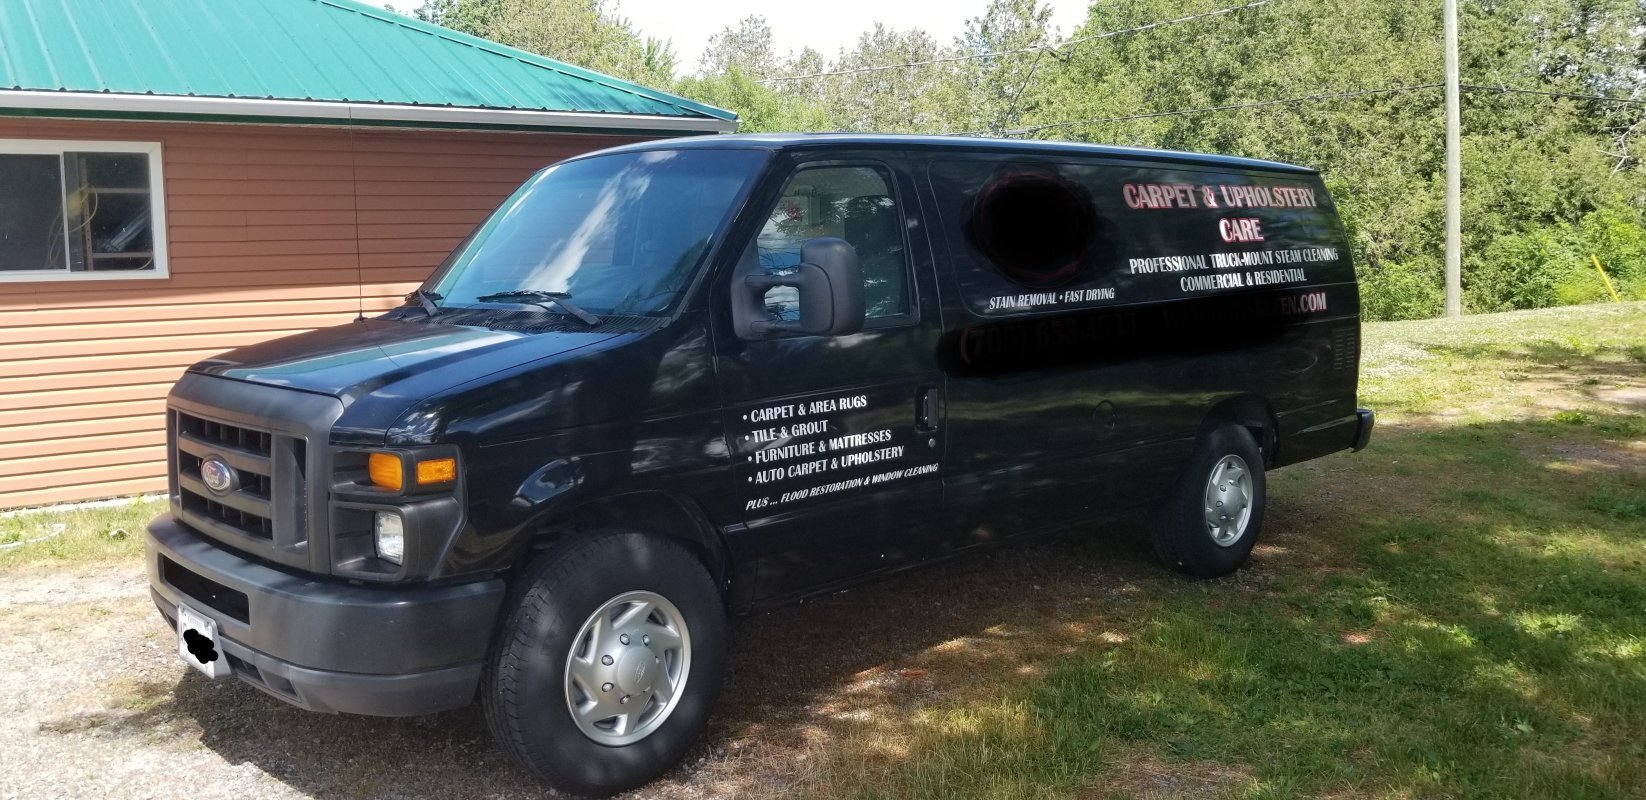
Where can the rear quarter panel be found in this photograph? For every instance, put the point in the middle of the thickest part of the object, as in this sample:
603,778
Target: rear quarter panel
1202,289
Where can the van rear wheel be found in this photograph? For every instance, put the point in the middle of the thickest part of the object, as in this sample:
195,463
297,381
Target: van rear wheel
1214,515
608,662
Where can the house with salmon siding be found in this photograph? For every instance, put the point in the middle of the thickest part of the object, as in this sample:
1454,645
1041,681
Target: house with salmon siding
181,177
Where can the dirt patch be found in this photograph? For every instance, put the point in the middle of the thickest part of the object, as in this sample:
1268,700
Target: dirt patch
1634,396
1572,456
73,586
1142,775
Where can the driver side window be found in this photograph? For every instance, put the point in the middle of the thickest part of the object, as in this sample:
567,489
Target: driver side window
853,203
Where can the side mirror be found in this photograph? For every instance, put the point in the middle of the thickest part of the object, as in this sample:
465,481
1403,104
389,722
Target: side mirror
828,282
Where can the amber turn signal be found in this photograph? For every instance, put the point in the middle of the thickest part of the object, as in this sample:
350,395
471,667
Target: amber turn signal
386,472
436,470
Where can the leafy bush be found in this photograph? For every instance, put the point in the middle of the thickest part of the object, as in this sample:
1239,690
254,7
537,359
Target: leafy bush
1552,265
1406,290
1519,271
1618,238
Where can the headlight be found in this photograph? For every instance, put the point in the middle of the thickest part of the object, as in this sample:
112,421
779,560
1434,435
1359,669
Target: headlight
390,533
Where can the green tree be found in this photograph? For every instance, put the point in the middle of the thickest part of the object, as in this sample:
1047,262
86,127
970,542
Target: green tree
747,48
475,17
584,33
992,93
735,72
899,99
759,109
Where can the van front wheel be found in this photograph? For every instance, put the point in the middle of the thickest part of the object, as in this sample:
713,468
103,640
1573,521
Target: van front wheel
608,662
1214,515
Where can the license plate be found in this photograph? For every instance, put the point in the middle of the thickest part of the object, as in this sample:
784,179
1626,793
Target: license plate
197,643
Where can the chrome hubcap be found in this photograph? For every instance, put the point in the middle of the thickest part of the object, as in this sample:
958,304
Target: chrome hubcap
627,668
1228,500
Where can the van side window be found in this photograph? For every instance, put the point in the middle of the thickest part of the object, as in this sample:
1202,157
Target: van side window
1026,237
854,203
1042,236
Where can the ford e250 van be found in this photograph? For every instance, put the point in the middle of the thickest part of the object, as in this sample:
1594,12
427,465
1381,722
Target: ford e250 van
671,380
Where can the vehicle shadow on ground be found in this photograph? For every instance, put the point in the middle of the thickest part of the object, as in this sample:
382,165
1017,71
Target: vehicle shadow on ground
787,667
1464,593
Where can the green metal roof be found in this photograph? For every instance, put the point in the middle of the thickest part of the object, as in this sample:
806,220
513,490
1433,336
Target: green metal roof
295,56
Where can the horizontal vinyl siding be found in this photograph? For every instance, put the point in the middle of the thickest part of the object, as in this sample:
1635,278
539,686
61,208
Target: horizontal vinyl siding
272,231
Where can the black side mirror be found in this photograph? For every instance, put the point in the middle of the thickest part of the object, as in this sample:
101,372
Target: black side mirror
829,283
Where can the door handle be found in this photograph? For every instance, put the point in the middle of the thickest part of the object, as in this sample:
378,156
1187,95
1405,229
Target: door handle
925,409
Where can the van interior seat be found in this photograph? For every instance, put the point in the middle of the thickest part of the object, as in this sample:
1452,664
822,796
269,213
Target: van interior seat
870,224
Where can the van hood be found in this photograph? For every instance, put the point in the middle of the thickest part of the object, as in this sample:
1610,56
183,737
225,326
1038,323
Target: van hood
410,359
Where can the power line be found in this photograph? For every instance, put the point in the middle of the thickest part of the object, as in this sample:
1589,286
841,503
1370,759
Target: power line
1307,99
1572,95
1210,109
1034,65
1161,24
1039,48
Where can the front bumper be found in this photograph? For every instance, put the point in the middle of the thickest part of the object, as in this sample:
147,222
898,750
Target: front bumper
325,645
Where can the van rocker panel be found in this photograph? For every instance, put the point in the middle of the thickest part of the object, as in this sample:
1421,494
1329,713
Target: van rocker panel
397,651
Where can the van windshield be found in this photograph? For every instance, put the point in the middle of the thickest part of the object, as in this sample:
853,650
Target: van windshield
618,234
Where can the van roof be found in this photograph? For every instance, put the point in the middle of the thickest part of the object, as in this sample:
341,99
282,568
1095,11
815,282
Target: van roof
797,141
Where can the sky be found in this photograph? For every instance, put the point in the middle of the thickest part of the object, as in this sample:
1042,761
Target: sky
824,26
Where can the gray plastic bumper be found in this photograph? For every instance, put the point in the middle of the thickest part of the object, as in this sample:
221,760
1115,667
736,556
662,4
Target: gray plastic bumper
328,646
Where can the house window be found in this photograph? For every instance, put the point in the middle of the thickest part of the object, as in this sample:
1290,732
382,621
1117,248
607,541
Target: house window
80,211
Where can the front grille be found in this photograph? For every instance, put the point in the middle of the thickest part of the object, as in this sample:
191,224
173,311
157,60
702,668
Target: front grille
274,441
249,523
268,503
248,452
222,433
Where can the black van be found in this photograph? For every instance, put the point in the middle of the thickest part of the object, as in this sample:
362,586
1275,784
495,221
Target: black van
671,380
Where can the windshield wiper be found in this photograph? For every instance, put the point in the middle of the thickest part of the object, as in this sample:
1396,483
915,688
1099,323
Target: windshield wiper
427,299
535,297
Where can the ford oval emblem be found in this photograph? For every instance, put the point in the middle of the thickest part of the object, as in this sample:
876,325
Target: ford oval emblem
217,475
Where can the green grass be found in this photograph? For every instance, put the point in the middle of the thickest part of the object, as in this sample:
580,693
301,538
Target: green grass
1494,365
75,535
1474,659
1459,611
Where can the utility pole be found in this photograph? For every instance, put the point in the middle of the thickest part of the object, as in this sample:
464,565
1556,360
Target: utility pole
1454,171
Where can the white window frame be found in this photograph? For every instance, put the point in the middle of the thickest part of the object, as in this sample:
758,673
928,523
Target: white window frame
157,209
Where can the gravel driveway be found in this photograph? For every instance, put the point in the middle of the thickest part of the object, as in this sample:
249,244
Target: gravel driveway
94,702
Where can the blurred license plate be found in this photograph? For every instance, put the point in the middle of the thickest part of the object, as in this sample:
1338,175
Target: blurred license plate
197,643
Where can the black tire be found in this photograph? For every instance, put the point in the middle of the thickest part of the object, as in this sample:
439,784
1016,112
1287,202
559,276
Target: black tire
1182,535
524,692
